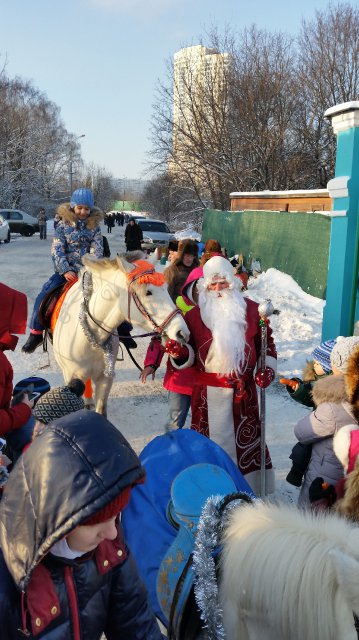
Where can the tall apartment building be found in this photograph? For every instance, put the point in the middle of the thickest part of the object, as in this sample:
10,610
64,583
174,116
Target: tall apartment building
198,75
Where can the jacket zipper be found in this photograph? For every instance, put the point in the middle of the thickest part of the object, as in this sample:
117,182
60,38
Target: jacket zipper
69,580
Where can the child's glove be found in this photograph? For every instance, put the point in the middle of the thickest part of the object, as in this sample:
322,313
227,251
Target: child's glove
320,490
289,382
263,378
176,350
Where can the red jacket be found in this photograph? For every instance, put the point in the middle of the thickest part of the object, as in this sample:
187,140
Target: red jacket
10,417
13,316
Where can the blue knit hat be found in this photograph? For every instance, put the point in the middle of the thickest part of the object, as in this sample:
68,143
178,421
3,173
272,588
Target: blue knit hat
82,196
322,354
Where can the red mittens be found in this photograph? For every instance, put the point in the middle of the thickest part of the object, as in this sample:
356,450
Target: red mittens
263,378
176,350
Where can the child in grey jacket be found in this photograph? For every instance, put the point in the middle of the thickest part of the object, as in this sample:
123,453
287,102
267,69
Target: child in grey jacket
334,410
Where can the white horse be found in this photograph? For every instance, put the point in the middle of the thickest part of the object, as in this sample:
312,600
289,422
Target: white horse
289,575
85,339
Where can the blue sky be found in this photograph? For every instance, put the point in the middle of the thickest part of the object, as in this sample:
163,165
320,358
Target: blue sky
99,60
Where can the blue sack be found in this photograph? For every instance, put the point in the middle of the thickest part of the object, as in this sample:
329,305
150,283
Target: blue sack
146,525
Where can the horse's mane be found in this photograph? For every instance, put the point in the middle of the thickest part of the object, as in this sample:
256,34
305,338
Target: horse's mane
110,263
276,557
100,264
131,256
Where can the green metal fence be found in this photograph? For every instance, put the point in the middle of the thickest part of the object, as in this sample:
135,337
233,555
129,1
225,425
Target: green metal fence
295,243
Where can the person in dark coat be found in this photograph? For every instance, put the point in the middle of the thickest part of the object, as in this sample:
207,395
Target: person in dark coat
42,218
65,569
178,271
133,236
109,221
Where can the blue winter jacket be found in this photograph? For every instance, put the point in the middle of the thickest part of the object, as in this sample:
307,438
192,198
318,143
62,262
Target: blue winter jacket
71,471
73,238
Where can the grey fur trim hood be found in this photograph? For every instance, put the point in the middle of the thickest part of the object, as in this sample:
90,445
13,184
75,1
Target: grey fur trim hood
65,213
329,389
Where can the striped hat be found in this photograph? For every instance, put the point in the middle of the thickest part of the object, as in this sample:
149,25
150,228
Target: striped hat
322,354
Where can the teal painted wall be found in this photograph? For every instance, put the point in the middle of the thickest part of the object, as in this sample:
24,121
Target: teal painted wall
295,243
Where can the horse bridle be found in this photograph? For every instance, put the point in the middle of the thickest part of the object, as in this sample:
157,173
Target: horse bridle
132,295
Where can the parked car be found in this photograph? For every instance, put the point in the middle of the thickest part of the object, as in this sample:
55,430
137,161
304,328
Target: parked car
4,230
20,221
155,233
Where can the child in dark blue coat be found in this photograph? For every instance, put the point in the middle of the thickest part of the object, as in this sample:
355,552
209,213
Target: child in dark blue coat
65,569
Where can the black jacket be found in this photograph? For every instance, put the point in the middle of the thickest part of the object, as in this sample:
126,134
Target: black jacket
133,236
71,471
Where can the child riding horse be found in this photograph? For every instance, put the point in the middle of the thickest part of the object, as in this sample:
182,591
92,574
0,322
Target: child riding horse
77,233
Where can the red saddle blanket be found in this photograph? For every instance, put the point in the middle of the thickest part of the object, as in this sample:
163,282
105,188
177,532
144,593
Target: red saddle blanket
51,305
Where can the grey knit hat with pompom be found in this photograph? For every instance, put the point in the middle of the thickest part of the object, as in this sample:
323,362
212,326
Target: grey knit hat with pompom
342,351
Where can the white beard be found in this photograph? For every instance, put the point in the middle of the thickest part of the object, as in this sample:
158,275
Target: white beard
225,316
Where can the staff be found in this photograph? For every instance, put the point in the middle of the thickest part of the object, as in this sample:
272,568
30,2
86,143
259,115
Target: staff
265,309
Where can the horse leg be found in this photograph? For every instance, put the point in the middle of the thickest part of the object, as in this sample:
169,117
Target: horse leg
102,390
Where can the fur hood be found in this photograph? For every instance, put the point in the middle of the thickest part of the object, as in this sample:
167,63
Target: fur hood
309,374
329,389
65,213
351,379
348,506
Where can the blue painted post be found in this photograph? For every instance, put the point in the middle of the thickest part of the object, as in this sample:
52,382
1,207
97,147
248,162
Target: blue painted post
342,300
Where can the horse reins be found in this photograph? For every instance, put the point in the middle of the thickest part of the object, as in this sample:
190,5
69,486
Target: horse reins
133,295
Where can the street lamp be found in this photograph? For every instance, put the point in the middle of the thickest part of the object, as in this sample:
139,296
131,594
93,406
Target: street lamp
124,193
70,164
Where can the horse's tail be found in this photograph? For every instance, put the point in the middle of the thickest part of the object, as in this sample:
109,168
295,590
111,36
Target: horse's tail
347,571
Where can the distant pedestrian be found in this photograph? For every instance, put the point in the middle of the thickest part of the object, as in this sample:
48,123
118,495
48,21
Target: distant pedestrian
42,218
133,236
109,221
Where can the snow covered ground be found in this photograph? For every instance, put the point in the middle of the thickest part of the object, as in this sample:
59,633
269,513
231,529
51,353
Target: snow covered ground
140,411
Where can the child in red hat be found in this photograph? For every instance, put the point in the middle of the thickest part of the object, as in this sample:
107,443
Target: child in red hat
65,569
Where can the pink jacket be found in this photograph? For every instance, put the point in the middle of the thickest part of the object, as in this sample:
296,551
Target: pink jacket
178,381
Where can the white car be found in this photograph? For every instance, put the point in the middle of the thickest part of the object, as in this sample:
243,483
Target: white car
20,222
4,230
155,233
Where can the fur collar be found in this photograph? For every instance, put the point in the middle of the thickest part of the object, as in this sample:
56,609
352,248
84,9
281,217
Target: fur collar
348,506
352,382
67,215
309,374
329,389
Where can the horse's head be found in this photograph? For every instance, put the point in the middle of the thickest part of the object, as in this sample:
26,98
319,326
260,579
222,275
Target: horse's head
139,293
150,300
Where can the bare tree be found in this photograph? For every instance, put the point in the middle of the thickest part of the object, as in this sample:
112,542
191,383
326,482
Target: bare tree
34,146
168,200
254,119
101,182
328,70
